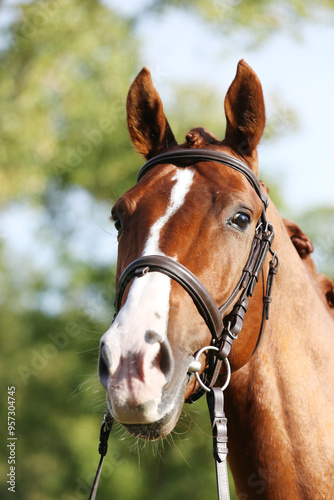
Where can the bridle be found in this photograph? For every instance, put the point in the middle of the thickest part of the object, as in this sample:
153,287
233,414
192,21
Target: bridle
224,328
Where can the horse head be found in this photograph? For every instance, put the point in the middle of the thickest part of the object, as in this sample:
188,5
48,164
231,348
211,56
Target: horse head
200,214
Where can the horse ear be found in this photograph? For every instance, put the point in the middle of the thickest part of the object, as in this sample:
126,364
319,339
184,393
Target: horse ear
245,112
147,124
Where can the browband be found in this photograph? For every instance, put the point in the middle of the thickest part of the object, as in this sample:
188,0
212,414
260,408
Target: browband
206,155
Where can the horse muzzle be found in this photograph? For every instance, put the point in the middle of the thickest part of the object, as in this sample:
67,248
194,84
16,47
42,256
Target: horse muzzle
136,376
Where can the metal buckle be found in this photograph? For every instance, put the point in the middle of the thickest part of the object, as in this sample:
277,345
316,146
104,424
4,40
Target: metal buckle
274,263
231,334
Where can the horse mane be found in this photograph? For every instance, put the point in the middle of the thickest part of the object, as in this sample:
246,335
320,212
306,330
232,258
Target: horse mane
304,246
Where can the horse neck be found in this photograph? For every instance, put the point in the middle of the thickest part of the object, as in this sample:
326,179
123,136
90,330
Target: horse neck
280,405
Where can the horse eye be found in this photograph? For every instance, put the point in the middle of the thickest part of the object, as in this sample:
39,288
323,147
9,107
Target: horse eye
117,224
241,220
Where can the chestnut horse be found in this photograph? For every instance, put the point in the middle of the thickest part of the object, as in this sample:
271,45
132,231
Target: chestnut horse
280,400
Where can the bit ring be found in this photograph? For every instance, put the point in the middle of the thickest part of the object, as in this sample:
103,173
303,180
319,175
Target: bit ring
228,376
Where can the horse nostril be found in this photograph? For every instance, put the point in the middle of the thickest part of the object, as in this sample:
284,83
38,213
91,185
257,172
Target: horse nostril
151,337
166,360
105,362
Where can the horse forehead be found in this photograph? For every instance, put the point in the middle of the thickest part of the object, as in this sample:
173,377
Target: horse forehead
155,187
168,183
219,176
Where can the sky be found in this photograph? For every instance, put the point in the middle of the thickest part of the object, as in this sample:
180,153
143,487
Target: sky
181,47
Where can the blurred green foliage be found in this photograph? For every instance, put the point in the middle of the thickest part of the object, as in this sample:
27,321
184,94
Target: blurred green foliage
63,85
65,70
318,225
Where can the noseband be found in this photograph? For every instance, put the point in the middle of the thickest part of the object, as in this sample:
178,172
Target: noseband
224,329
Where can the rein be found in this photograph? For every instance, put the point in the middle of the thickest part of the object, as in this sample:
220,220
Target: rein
224,329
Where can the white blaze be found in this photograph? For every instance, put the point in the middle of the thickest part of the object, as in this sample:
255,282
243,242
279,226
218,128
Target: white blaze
154,288
147,304
184,180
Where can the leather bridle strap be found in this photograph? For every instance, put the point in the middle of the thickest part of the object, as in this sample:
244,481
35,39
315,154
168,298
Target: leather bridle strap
215,401
103,448
212,315
170,267
182,155
222,335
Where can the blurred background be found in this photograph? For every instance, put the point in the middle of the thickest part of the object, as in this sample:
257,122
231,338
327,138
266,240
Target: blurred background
65,156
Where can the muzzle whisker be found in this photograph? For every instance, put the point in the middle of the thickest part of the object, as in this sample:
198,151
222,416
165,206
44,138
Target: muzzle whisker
175,448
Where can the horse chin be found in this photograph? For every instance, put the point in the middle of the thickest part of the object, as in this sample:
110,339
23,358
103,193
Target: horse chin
158,429
159,423
155,430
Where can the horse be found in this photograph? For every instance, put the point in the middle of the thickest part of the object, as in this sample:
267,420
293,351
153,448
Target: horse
202,215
